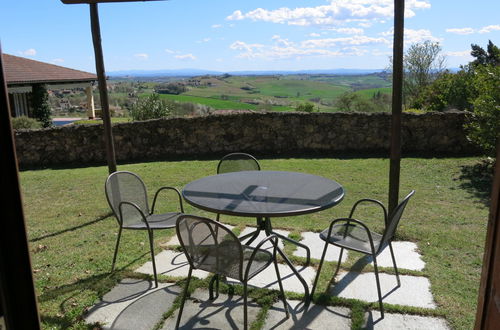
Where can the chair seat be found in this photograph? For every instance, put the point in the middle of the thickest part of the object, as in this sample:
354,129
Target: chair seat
229,263
352,236
157,221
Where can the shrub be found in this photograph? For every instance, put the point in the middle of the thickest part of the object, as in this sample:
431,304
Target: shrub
150,107
305,107
24,122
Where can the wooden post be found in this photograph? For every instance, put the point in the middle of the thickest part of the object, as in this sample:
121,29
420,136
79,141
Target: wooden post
17,292
397,103
488,307
103,89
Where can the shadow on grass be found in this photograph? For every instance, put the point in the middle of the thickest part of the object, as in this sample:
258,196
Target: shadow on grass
102,217
477,180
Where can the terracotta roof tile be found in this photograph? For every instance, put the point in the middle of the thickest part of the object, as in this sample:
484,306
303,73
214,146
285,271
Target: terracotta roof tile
20,70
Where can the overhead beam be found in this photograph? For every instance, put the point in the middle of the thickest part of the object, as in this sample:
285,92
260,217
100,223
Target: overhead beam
397,104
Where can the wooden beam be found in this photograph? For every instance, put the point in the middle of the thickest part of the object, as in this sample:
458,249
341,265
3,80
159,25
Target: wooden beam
103,89
17,291
397,103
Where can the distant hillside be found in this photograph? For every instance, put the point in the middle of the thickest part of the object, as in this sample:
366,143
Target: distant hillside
199,72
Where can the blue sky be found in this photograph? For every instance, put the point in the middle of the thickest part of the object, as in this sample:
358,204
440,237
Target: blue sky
229,35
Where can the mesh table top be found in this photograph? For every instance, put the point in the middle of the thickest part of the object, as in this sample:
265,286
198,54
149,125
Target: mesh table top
263,193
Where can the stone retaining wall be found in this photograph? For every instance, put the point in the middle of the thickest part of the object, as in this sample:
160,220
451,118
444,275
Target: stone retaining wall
270,134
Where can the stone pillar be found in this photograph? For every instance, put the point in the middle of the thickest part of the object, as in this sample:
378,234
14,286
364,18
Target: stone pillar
90,102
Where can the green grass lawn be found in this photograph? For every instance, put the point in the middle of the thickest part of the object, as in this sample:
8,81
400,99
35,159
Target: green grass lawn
72,236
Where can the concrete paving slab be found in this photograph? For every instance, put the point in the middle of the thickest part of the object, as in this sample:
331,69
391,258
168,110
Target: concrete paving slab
267,278
317,245
315,317
170,263
414,290
133,304
262,235
403,321
225,312
406,254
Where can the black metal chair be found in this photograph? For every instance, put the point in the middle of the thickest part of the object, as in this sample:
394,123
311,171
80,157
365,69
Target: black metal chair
349,233
127,196
237,161
211,246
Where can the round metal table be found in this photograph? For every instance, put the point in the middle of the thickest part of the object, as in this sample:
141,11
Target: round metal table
265,194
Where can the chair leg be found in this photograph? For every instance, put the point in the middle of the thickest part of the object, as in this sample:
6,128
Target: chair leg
116,249
184,295
394,264
319,268
245,301
214,279
151,247
281,285
379,291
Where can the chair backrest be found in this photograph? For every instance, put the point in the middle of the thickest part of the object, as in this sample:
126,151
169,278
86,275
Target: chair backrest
123,186
393,221
210,246
236,162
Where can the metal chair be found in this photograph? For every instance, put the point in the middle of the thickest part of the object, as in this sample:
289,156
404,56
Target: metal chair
237,161
353,234
127,196
211,246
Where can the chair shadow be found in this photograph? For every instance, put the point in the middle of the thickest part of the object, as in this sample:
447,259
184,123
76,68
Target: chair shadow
207,310
57,233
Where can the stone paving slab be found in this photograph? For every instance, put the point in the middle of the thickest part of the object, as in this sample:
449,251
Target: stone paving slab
315,317
403,321
267,278
414,290
317,245
171,263
262,236
406,254
225,312
133,304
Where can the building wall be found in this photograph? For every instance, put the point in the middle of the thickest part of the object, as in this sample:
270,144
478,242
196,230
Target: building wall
262,134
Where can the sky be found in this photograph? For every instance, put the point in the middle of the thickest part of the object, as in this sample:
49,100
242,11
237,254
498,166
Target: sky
233,35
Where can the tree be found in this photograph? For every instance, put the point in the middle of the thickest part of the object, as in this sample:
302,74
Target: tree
490,56
484,125
346,101
422,64
40,103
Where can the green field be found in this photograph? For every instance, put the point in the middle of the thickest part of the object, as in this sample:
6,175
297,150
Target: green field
277,92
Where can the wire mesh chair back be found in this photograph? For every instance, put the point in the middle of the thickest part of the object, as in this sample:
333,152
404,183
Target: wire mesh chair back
236,162
126,187
210,246
393,221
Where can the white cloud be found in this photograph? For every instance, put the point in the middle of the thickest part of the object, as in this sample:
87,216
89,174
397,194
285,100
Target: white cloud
490,28
313,34
142,56
462,31
349,30
57,60
336,12
169,51
216,26
282,48
28,52
413,36
462,53
190,57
